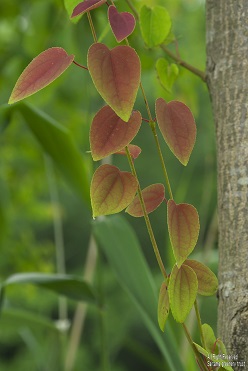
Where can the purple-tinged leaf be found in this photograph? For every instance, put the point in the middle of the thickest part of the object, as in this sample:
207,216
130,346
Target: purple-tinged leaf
163,306
111,190
182,290
207,280
116,75
109,133
178,128
122,24
134,150
43,70
153,196
183,225
86,6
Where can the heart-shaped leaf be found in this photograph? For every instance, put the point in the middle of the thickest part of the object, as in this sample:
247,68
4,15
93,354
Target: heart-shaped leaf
43,70
116,75
111,190
109,133
155,25
163,306
167,73
153,196
122,24
207,280
134,150
182,291
184,226
86,6
178,128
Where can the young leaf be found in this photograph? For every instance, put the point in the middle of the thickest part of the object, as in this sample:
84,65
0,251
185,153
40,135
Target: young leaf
43,70
207,281
163,306
155,25
122,24
182,291
167,73
70,286
86,6
116,75
134,150
109,133
214,360
183,225
178,128
111,190
210,339
153,196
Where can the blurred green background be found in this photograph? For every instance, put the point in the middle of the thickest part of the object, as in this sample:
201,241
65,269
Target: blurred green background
34,196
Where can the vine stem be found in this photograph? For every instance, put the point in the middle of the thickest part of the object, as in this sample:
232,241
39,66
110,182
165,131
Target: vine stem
147,220
197,312
197,354
92,27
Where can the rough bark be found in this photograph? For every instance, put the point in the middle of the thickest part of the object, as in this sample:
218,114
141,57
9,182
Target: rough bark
227,77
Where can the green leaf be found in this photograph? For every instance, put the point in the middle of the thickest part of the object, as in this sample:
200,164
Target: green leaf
57,142
67,285
213,360
109,133
111,190
121,247
163,306
167,73
155,25
40,72
210,339
183,226
182,291
116,78
207,280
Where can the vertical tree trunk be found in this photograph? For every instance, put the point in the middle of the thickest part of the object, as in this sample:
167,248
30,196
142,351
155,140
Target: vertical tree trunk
227,73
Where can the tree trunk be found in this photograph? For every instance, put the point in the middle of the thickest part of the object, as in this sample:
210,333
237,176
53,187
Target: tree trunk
227,76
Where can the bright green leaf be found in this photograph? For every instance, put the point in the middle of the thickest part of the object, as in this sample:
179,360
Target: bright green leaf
155,25
163,306
213,360
209,338
121,247
167,73
182,291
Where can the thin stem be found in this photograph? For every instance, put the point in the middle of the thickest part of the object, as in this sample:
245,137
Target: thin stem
147,220
184,64
197,312
80,65
129,3
197,354
152,125
146,102
92,27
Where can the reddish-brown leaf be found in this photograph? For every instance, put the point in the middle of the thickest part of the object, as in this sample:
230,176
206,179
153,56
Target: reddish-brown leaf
109,133
178,128
122,24
183,225
134,150
43,70
111,190
207,280
86,6
182,290
153,196
116,75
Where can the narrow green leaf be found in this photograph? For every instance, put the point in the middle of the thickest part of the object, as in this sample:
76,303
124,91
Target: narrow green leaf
163,306
207,280
167,73
155,25
120,245
67,285
214,360
57,142
182,291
